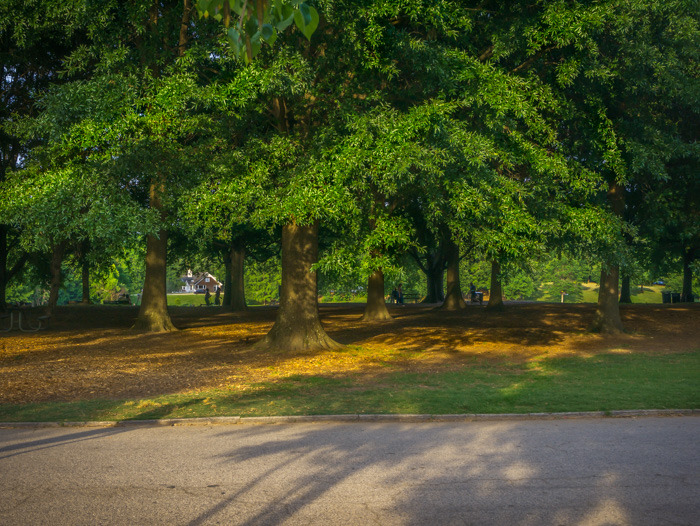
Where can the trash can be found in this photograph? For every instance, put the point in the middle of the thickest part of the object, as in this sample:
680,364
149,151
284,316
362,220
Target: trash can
666,297
675,297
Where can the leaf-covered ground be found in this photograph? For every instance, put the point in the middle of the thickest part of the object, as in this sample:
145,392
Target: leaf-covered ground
90,352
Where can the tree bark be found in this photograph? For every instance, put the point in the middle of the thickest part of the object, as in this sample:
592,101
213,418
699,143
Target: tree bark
237,269
298,326
153,314
184,24
454,300
376,310
3,268
226,302
86,280
55,268
607,318
687,291
625,289
496,291
434,273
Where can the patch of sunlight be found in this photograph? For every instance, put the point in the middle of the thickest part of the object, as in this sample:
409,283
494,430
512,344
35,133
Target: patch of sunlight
609,511
512,389
540,364
620,351
519,472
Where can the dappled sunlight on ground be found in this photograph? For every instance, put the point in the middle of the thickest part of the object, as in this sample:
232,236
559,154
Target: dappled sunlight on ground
90,352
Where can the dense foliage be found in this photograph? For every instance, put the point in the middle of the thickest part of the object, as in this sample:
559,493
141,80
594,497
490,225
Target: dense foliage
402,135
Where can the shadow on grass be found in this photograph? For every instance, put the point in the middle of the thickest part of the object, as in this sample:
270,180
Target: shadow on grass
116,363
599,383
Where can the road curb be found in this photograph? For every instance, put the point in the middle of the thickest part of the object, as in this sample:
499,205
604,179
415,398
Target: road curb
363,418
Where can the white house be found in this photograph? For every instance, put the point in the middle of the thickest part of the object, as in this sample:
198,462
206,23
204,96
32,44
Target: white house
200,282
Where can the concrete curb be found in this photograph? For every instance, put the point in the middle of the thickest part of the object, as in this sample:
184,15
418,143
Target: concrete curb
378,418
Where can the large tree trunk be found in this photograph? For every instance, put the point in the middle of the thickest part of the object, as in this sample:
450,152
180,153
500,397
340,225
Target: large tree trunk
226,302
86,280
298,326
434,273
607,318
625,289
3,268
237,269
687,291
454,300
376,310
55,268
496,291
153,314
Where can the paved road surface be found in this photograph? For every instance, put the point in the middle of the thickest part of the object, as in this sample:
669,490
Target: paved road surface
588,471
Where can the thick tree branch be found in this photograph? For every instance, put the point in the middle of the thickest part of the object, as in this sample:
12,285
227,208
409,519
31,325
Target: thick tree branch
486,54
525,65
184,24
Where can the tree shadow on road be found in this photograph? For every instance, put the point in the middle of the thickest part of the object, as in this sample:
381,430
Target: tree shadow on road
574,472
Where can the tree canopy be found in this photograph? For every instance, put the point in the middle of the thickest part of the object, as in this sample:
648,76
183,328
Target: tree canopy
372,130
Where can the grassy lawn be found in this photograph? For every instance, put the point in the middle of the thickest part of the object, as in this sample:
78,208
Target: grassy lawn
599,383
188,300
651,294
529,358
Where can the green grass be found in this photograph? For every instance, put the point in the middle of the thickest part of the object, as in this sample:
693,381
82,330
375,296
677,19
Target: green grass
601,383
651,294
185,300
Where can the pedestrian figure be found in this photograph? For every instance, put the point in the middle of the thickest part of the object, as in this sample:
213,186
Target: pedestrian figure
394,296
207,297
472,292
217,297
400,292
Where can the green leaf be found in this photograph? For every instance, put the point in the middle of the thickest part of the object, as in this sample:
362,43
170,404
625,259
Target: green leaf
251,26
268,33
304,9
306,18
202,7
236,6
254,47
286,17
214,7
234,38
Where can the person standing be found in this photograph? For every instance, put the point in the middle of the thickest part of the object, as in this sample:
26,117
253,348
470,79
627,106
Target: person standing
207,298
217,296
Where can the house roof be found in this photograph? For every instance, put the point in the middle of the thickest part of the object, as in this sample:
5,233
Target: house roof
197,278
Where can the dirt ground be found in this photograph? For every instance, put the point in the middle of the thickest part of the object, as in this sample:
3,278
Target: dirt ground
90,351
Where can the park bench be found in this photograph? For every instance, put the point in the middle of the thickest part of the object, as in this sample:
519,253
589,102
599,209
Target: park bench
7,316
42,323
415,297
39,323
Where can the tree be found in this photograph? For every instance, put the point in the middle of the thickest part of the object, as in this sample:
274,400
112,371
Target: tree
31,50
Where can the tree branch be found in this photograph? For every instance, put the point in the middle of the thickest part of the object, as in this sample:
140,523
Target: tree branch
486,54
184,24
532,59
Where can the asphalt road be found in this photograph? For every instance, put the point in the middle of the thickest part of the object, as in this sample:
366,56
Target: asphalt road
587,471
